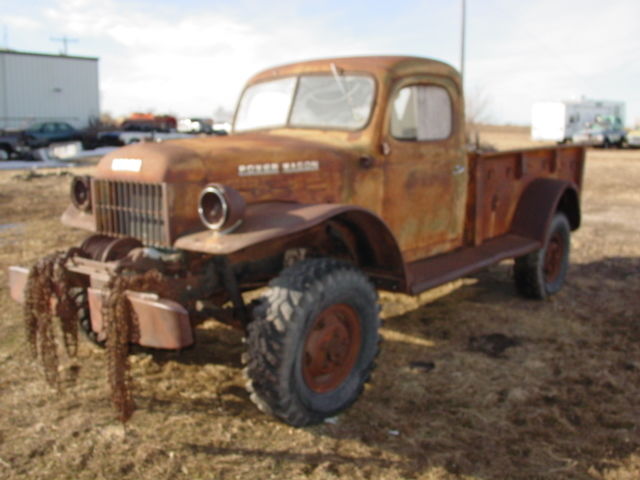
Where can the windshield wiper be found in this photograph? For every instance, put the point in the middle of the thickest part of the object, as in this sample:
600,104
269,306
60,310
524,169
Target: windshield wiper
343,89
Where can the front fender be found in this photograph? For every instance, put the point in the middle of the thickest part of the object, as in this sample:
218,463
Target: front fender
265,223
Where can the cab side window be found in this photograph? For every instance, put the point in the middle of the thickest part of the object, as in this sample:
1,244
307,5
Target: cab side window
422,113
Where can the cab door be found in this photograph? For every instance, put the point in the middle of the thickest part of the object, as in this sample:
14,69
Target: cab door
425,166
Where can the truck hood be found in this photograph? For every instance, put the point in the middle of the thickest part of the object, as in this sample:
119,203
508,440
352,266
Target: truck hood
261,166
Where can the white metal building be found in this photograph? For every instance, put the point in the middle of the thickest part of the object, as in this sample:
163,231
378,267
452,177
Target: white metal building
38,87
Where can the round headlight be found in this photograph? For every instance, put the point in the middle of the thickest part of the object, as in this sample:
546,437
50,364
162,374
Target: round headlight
220,207
81,192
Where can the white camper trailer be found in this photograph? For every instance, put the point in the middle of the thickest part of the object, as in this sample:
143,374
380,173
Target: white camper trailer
559,121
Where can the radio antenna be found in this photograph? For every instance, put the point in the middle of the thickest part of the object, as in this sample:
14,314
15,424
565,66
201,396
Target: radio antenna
462,40
65,43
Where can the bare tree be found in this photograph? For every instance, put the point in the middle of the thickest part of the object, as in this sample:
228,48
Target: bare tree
477,112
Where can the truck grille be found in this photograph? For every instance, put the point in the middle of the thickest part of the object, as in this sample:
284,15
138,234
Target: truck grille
131,209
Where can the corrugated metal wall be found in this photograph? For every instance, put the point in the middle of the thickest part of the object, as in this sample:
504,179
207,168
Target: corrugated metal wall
36,87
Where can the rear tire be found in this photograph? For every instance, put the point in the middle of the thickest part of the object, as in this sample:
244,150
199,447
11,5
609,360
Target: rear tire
543,272
313,341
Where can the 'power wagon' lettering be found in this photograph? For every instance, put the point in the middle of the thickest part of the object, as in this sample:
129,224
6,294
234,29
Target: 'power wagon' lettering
277,168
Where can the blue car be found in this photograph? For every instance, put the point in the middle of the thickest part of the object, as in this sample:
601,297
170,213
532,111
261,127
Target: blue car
44,133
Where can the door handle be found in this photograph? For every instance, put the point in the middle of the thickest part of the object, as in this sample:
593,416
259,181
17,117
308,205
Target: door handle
366,162
458,169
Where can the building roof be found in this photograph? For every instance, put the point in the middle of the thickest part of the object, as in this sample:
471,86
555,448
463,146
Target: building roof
74,57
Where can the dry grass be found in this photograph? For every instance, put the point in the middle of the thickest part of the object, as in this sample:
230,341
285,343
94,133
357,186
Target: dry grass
563,403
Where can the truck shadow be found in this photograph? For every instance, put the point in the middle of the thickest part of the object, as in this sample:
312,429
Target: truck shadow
483,383
480,382
215,343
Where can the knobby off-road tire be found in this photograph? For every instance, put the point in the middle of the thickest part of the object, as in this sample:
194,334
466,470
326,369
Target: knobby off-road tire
313,341
543,272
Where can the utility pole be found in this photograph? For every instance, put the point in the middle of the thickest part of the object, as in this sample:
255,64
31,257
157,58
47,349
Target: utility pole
65,43
462,40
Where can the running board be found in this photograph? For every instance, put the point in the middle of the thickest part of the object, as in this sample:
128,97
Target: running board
434,271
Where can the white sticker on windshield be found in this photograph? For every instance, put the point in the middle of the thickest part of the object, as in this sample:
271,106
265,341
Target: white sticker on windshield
126,164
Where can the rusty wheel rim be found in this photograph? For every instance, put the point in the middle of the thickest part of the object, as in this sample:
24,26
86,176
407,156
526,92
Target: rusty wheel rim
553,258
331,348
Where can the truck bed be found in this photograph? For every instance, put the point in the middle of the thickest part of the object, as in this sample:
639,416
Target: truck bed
498,179
492,233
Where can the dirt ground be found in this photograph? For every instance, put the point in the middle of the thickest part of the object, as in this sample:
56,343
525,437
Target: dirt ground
563,402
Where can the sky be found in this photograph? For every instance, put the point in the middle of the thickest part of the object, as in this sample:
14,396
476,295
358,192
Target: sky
192,57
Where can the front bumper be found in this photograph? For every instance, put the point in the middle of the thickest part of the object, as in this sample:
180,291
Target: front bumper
161,323
22,149
588,140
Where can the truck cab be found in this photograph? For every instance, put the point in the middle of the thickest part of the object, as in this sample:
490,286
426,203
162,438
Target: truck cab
403,119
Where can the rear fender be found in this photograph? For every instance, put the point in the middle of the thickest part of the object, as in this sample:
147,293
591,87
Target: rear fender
540,201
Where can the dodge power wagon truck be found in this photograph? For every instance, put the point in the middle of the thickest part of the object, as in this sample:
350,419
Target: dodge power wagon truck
341,177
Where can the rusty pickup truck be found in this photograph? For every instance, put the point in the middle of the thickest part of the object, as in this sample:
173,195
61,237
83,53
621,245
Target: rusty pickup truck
341,177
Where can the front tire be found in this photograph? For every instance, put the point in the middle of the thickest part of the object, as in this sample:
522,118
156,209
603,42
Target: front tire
543,272
313,341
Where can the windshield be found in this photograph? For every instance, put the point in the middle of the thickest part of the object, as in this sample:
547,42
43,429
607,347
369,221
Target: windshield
605,123
36,127
341,102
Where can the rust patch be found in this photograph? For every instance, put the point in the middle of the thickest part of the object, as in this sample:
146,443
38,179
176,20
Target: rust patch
48,294
121,326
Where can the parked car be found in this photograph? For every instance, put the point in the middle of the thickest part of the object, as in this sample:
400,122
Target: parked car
118,138
604,132
146,122
141,128
12,144
42,134
632,138
195,125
